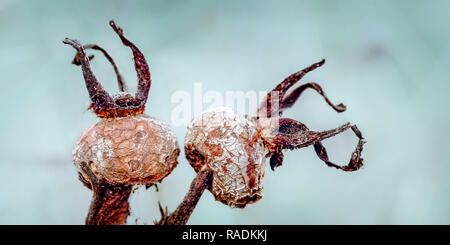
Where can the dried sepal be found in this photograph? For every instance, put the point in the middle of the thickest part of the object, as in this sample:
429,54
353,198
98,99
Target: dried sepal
102,103
292,134
271,106
132,150
120,81
229,145
276,159
284,133
290,100
141,66
123,104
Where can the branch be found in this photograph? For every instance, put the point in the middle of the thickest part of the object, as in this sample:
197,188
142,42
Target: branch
181,215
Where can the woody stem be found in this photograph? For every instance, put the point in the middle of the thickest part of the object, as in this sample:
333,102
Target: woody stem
181,215
109,205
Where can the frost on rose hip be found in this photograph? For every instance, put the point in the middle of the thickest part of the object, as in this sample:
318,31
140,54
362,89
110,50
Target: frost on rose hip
126,147
230,146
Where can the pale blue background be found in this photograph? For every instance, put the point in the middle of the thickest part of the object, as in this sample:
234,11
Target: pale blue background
388,61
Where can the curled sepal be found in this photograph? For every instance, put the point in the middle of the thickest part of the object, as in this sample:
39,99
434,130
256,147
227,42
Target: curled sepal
123,104
286,133
120,81
290,100
102,102
276,160
273,102
140,64
356,161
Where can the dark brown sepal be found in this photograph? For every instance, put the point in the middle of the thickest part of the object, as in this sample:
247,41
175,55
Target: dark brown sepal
356,161
276,160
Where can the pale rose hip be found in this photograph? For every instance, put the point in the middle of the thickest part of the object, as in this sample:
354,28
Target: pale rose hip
230,146
234,147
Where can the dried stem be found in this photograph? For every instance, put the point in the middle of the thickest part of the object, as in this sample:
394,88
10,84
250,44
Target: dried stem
109,205
181,215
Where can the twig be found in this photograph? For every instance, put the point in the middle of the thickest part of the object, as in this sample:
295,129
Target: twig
181,215
109,205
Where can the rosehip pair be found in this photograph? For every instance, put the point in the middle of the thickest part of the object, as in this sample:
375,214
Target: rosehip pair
227,150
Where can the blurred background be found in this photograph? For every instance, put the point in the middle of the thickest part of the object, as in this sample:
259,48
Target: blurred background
388,61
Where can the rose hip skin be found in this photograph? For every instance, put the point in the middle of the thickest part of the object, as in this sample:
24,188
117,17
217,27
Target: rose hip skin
230,146
128,150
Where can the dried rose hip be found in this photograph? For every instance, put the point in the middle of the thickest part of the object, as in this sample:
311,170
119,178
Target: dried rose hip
128,150
228,151
126,147
230,146
234,147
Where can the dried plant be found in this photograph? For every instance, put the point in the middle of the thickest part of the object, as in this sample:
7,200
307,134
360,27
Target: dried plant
227,150
232,148
126,147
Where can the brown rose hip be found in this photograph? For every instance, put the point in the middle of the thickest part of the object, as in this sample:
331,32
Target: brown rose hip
128,150
126,147
230,146
228,151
